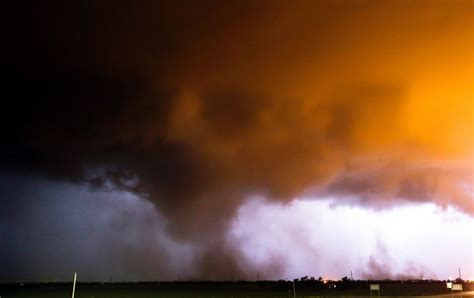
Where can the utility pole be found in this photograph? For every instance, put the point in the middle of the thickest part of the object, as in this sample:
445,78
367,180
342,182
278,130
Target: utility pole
74,285
459,272
351,275
294,289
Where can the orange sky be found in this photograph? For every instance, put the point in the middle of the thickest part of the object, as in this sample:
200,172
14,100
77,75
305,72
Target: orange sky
332,87
197,106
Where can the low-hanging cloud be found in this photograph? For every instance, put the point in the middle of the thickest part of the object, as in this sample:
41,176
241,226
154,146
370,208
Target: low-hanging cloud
197,116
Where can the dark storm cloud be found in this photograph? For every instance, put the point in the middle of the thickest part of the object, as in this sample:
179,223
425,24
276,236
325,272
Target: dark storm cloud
195,106
392,185
50,230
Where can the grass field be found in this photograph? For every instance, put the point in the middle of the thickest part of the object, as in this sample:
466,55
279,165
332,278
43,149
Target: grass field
220,290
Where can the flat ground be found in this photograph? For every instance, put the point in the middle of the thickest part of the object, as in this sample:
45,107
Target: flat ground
228,290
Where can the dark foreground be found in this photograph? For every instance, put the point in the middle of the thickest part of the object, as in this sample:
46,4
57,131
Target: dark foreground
262,289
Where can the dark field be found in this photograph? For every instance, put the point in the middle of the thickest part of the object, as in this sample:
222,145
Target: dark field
227,289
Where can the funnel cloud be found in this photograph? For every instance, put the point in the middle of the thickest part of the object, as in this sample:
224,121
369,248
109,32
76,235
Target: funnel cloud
194,108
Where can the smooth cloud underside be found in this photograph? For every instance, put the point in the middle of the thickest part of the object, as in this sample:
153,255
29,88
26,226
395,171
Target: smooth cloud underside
264,98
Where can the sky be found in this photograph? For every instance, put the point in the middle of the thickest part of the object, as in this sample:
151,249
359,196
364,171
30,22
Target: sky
206,140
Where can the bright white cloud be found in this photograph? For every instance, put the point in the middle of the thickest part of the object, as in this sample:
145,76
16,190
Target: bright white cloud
321,238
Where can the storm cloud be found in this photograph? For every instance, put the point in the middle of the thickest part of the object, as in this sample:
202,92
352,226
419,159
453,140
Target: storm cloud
197,106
